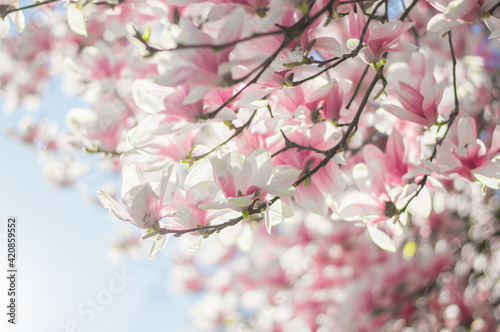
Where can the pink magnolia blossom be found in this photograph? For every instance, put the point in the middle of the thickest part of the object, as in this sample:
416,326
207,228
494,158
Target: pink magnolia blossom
457,12
143,202
204,67
394,157
246,181
417,104
241,176
169,114
379,38
469,158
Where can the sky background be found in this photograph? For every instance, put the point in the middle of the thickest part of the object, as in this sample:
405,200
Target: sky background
63,245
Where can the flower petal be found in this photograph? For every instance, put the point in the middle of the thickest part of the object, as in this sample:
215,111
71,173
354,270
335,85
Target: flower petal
76,20
488,174
381,239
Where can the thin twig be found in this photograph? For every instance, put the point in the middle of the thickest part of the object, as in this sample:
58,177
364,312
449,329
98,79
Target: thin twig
181,47
408,10
354,53
357,87
451,119
38,4
237,131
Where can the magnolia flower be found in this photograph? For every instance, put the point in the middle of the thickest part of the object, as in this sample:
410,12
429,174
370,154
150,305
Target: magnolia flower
394,158
17,17
377,202
247,181
385,38
493,24
241,176
169,114
144,203
417,104
378,39
206,68
97,131
457,12
469,157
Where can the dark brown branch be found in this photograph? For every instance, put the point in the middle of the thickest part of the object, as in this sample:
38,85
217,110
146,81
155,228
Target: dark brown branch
408,10
451,119
181,47
205,230
292,145
492,9
347,135
358,86
4,13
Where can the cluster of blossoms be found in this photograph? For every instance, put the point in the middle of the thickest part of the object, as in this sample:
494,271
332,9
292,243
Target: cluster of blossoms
283,141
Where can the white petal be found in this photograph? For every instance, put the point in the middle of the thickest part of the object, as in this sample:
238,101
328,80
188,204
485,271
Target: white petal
439,22
350,204
421,205
493,25
196,94
113,206
240,201
232,27
488,174
201,171
159,245
312,199
193,245
252,97
381,239
142,133
165,180
76,20
362,178
276,213
19,20
203,192
268,221
226,114
149,96
131,177
285,175
279,189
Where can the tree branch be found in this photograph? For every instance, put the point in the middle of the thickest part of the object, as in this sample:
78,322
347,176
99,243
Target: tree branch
4,14
451,119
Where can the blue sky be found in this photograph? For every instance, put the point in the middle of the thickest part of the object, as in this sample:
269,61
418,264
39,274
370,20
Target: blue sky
62,253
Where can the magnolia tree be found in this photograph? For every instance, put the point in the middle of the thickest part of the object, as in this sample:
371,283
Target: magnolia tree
334,163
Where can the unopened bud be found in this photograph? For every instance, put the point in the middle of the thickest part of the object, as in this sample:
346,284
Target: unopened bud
390,209
316,116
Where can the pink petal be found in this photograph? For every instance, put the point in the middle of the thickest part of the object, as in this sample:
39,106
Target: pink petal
407,115
466,131
224,177
441,23
410,98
